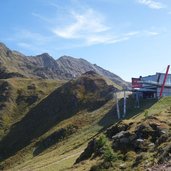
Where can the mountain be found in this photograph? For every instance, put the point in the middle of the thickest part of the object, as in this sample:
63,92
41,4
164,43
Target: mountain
49,120
92,139
15,64
75,67
19,95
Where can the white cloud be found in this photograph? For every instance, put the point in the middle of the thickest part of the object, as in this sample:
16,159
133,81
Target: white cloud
41,17
110,38
152,4
79,27
83,25
90,28
118,39
70,29
133,33
152,33
99,39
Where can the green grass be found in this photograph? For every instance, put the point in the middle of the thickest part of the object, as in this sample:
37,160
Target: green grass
62,155
76,143
18,95
161,112
62,104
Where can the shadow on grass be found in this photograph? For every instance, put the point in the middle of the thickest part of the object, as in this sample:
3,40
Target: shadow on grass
54,138
111,117
58,106
49,112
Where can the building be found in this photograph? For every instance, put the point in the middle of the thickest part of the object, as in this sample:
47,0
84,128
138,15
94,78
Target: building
151,86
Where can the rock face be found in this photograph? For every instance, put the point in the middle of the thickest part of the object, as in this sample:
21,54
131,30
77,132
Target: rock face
15,64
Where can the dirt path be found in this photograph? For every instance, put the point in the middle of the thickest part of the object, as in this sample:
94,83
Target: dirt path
59,161
54,162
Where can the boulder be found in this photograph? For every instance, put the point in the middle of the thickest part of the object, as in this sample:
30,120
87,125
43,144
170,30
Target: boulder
120,126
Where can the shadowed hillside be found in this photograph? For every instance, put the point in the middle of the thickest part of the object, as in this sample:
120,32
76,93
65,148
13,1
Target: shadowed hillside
88,92
18,96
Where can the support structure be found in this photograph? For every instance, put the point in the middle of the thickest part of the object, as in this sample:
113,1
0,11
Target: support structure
124,105
137,102
117,106
164,81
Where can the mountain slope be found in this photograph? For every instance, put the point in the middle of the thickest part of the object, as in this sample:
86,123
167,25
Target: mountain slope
75,67
15,64
18,96
140,143
85,94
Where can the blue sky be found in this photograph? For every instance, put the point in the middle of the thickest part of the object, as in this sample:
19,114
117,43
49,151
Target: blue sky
128,37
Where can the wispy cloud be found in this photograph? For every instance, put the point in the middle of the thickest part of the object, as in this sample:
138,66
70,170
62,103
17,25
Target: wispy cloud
43,18
133,33
30,40
83,25
152,33
104,39
71,28
24,34
110,38
152,4
90,27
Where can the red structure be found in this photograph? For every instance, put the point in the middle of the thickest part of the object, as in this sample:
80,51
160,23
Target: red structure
136,83
164,81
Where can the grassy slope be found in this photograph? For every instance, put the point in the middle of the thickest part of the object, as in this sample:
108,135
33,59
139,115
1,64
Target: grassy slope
70,149
63,155
88,122
149,154
19,95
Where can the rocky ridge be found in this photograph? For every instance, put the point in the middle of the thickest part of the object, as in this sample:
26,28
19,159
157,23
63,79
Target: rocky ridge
15,64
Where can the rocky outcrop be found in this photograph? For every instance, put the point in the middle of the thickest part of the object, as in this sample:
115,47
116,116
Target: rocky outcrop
141,145
149,134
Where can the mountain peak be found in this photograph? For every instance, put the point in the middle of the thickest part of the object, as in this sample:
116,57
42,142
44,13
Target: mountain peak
65,57
45,66
3,48
43,60
2,45
44,56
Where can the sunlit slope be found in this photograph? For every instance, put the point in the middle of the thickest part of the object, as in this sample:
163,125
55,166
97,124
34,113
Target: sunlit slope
138,143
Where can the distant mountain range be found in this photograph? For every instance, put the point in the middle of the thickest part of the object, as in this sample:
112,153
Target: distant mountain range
15,64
